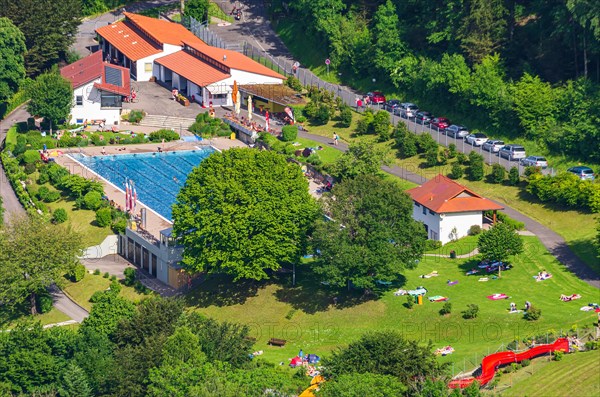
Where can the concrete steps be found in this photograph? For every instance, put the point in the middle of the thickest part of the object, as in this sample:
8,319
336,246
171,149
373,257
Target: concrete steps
168,122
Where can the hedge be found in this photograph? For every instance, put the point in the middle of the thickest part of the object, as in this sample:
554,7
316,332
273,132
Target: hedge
566,189
502,217
289,133
167,135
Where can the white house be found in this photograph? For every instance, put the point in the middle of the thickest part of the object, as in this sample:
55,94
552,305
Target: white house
98,89
448,209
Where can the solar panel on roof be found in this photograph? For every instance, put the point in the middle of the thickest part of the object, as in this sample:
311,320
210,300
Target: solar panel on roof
113,76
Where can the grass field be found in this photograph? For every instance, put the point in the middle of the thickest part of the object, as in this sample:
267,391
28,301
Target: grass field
307,319
328,154
576,375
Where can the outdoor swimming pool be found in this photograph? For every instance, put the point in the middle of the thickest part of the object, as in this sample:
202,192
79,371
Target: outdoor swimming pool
157,176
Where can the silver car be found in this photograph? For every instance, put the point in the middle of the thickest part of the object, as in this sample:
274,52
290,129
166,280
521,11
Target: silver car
456,131
407,110
493,145
535,161
476,139
512,152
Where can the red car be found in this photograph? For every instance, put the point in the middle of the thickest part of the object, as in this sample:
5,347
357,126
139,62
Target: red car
439,122
376,97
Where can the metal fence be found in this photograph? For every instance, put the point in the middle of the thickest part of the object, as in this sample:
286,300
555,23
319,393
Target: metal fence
201,30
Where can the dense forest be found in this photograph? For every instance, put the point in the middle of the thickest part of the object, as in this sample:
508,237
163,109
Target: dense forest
528,69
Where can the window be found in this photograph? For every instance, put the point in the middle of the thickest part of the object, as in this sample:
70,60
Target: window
148,67
110,100
417,204
78,121
424,210
431,212
79,100
434,235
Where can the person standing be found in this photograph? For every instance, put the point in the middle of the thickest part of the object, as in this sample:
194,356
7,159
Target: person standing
335,138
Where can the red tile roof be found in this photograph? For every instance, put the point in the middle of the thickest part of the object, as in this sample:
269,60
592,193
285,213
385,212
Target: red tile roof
163,31
125,37
84,70
193,69
443,195
234,60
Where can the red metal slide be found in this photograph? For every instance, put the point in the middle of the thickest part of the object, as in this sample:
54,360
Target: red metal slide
490,363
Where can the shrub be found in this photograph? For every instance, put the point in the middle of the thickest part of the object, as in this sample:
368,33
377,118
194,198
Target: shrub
314,159
410,302
103,217
474,230
502,217
446,309
135,116
97,296
513,176
461,158
44,302
525,363
301,119
558,355
115,287
30,168
532,314
432,245
43,177
92,200
293,83
345,116
96,272
456,172
475,170
471,312
425,142
141,288
106,275
31,157
42,192
129,276
431,157
323,114
52,196
498,173
289,133
113,278
59,215
290,314
382,125
167,135
77,273
452,152
119,225
364,125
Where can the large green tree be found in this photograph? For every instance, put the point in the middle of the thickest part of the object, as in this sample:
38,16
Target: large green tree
33,256
499,243
362,384
371,236
362,158
243,212
51,97
12,63
483,28
387,44
197,9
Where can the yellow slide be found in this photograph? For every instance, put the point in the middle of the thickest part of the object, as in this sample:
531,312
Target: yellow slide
314,385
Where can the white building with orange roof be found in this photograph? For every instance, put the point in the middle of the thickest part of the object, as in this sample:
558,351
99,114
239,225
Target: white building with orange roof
178,59
448,209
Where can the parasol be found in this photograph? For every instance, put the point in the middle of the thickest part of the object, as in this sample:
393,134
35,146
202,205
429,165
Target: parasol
249,107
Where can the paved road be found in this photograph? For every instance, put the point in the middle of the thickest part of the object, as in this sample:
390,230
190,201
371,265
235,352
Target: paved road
12,206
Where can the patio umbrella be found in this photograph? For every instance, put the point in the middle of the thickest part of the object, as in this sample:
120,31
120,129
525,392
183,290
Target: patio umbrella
237,104
249,107
234,92
267,127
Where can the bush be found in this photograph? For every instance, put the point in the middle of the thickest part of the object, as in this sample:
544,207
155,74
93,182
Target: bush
502,217
289,133
532,314
129,276
498,173
474,230
29,168
96,272
513,176
471,312
452,152
77,273
446,309
141,288
44,302
103,217
456,172
43,177
115,287
167,135
461,158
59,215
119,225
300,119
106,275
97,296
475,170
31,157
558,355
365,124
323,115
52,196
92,201
113,278
42,192
293,83
432,245
431,157
410,302
135,116
425,143
345,116
525,363
382,125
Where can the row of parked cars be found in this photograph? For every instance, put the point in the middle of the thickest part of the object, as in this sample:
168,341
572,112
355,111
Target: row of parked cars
511,152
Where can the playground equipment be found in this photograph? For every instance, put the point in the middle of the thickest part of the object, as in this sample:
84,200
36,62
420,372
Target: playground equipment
314,385
490,363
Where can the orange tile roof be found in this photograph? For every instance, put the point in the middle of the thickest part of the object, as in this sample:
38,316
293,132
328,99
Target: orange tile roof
443,195
234,60
84,70
192,68
125,37
163,31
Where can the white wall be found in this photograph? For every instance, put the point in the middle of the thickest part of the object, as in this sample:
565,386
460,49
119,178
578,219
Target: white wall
431,220
141,74
462,221
90,109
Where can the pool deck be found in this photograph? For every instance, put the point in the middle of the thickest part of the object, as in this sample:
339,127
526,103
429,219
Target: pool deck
154,222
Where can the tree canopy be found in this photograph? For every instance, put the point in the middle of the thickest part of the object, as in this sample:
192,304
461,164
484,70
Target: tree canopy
372,235
33,256
12,62
499,243
243,212
362,158
51,97
197,9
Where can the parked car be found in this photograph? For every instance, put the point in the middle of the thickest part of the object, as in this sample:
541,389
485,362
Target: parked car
457,131
439,123
376,97
512,152
392,105
493,145
535,161
476,139
583,172
407,110
423,117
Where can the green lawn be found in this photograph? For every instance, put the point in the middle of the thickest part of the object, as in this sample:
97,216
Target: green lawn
82,291
306,318
576,375
11,136
328,154
462,246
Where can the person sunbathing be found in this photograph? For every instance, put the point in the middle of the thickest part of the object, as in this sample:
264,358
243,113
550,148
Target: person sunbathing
568,298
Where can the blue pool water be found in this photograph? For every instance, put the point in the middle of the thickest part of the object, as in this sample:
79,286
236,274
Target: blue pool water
158,177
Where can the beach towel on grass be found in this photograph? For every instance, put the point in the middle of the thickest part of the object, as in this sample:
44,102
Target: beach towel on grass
496,297
437,298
